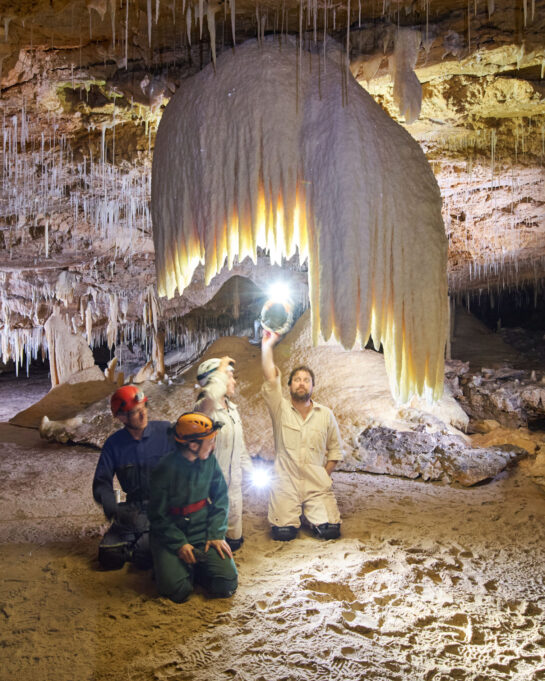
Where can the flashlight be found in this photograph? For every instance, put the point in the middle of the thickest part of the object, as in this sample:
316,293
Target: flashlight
279,292
261,477
277,313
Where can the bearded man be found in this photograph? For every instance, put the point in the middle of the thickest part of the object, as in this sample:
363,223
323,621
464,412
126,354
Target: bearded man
307,447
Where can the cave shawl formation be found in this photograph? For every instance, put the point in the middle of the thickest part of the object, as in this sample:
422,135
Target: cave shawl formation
84,85
273,149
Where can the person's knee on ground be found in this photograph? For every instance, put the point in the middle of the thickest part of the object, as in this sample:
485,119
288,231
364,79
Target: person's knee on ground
328,530
113,557
286,533
221,587
179,592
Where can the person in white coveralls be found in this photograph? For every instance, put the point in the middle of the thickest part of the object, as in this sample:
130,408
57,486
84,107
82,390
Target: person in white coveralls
307,448
216,377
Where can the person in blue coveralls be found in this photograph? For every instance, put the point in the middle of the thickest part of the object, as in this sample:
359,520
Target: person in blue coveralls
130,454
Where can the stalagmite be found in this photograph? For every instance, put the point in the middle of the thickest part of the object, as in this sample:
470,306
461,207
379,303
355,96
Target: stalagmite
69,354
158,354
239,165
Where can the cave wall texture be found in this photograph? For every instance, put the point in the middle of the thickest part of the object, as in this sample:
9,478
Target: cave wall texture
83,85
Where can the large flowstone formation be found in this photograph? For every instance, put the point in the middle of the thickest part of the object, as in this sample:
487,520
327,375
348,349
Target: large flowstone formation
280,148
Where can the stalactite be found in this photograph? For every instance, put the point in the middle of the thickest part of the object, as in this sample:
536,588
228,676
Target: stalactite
233,20
211,21
150,19
188,24
126,34
113,4
407,88
89,323
111,330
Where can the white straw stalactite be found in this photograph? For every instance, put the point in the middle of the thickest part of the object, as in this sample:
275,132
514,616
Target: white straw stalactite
265,155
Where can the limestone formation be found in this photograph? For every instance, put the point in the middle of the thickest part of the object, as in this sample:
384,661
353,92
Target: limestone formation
417,454
70,358
507,396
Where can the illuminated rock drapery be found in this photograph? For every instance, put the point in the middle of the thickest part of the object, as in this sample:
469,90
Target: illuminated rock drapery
283,150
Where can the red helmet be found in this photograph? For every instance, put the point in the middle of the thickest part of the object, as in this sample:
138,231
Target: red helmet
126,399
193,426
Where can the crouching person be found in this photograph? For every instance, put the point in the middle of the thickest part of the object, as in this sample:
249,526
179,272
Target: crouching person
129,455
188,511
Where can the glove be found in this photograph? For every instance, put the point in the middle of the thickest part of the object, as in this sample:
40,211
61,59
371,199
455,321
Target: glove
110,507
130,517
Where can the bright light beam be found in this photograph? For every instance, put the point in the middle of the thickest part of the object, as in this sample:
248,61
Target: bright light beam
261,477
279,292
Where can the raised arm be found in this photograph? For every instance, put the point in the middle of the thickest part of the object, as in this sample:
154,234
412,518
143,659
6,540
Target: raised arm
268,342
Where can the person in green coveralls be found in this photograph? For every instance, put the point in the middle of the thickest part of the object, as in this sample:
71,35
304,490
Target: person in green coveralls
188,510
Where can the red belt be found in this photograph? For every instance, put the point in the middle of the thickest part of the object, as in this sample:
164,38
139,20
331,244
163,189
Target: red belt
190,508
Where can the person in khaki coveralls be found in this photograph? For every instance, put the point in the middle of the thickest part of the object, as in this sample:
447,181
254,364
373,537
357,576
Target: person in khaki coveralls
216,377
307,446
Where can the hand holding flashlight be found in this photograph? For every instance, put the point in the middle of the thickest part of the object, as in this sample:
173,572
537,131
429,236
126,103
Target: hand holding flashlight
277,312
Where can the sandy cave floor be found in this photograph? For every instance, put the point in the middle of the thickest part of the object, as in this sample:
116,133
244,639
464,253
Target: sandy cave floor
427,582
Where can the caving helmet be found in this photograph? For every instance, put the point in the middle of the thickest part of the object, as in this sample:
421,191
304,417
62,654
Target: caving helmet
207,368
194,426
126,398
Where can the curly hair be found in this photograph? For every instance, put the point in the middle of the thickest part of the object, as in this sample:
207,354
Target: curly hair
303,367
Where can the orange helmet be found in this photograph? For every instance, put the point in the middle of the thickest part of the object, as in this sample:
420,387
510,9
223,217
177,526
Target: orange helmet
126,399
193,426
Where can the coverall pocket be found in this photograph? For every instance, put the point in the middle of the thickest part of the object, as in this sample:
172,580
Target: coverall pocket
129,478
316,447
319,477
291,437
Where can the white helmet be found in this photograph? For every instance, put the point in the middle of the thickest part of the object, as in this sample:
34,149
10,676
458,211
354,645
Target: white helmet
206,369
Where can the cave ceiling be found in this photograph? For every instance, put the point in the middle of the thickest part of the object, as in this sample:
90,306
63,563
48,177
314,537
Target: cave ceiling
84,83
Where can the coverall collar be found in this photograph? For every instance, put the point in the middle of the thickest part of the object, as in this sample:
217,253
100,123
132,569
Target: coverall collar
315,406
145,433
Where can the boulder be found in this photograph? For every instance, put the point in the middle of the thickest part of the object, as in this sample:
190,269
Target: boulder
428,456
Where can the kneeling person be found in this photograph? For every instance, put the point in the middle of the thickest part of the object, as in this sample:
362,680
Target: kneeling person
308,447
130,455
188,511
